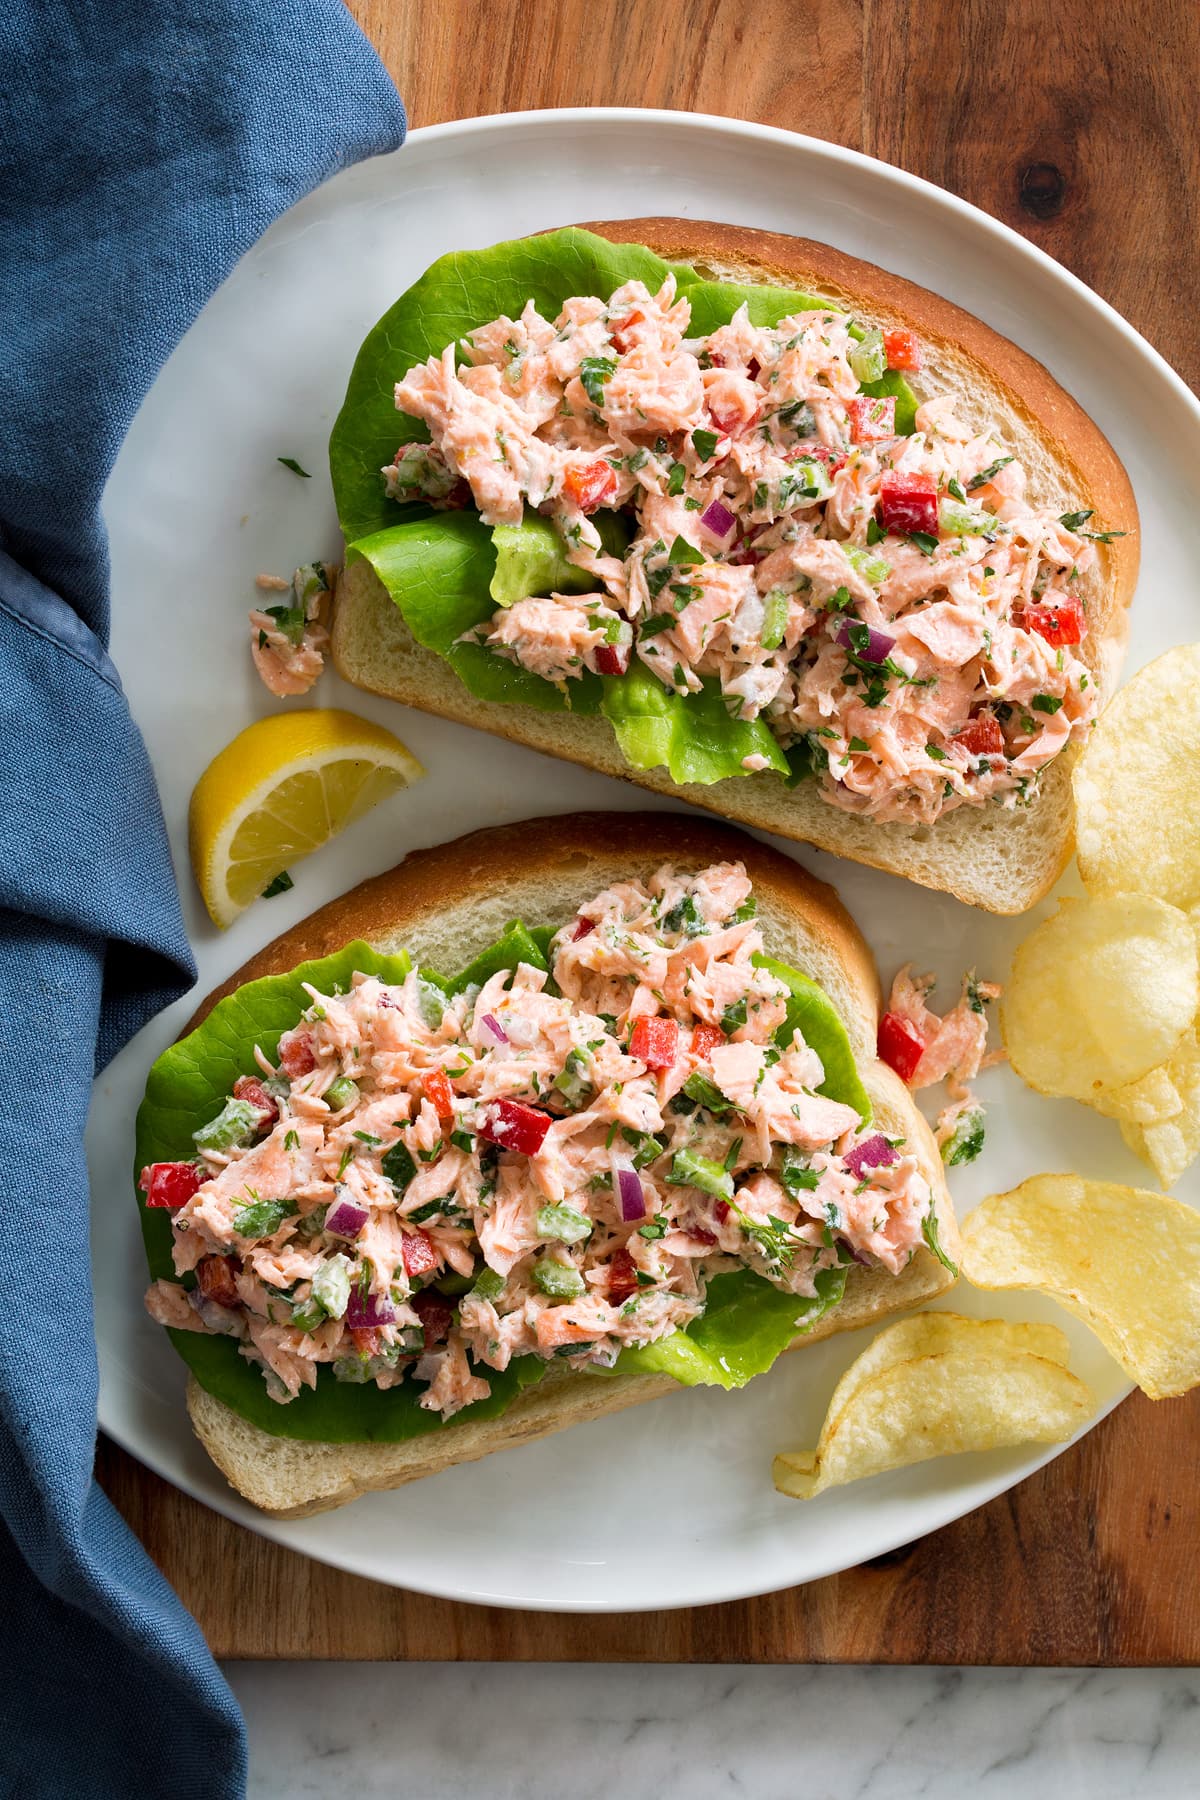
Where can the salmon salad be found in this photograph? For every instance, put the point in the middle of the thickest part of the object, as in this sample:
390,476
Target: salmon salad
551,1164
894,606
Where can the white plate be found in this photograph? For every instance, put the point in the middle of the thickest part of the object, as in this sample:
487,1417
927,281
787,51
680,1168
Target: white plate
671,1504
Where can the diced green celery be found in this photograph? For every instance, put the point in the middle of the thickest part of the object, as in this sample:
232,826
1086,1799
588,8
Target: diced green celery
868,359
775,616
572,1084
489,1284
331,1285
872,568
341,1093
236,1123
957,520
690,1170
562,1281
563,1223
431,1003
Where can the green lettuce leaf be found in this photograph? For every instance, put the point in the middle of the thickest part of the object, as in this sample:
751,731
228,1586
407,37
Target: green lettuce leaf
746,1325
447,572
439,572
692,735
812,1012
459,292
531,558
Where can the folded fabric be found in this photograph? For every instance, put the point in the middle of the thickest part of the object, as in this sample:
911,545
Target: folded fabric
143,149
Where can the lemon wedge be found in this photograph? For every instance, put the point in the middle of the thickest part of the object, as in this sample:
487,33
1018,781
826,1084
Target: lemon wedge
280,790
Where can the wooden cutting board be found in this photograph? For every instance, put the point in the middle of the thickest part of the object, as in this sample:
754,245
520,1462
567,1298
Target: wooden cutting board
1077,125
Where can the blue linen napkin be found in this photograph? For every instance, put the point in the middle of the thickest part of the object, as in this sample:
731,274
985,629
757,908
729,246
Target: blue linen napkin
143,148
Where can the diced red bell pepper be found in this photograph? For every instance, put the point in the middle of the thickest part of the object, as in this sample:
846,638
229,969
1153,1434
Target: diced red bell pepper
296,1054
435,1086
981,736
622,1277
871,420
612,659
436,1315
514,1126
908,503
583,928
705,1039
215,1279
701,1235
420,1257
366,1340
621,330
721,1209
171,1184
655,1042
590,485
901,1045
252,1091
902,349
1062,623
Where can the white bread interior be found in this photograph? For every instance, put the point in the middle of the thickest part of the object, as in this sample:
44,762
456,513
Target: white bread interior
1001,860
446,904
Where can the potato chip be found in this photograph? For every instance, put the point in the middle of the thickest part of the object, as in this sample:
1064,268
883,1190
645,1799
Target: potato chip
1125,1261
1170,1140
1149,1101
1100,994
1137,786
938,1385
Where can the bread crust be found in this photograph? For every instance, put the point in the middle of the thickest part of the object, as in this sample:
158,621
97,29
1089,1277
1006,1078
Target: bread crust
1002,861
291,1478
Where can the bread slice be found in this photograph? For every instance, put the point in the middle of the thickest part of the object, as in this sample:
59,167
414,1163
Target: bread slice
1004,861
446,904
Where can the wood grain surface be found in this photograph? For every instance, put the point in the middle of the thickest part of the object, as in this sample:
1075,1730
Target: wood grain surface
1077,124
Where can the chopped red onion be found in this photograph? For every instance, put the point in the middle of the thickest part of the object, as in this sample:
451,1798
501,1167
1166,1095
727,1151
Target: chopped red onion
718,519
630,1195
365,1315
346,1218
495,1027
873,1153
879,645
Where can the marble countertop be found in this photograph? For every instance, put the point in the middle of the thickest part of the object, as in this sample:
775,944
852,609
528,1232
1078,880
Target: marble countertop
554,1732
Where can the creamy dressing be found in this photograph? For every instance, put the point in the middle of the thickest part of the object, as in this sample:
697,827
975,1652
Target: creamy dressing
895,607
584,1152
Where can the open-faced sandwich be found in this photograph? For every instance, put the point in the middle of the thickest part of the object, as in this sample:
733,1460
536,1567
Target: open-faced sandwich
421,1183
736,516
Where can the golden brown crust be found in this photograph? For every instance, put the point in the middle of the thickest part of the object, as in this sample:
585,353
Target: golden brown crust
393,904
1046,407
